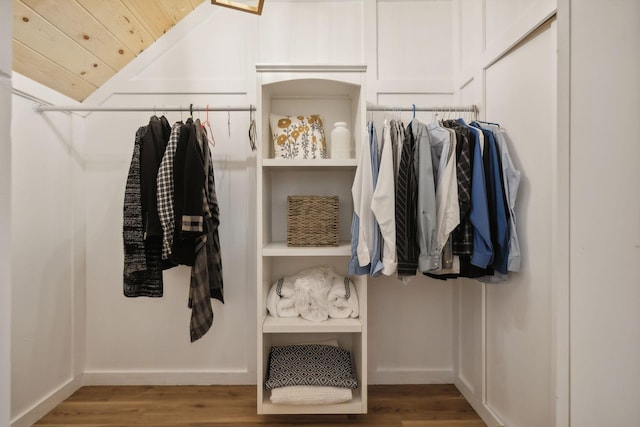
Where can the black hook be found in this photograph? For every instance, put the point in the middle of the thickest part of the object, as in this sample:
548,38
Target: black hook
191,110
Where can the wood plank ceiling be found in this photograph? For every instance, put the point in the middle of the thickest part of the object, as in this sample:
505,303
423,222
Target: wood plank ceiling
74,46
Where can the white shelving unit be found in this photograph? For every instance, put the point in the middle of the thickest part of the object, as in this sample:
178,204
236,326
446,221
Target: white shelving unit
336,93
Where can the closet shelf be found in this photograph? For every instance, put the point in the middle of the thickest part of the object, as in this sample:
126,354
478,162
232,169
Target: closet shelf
281,249
273,324
337,95
309,163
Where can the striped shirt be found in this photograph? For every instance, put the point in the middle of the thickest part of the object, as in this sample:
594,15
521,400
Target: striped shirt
166,191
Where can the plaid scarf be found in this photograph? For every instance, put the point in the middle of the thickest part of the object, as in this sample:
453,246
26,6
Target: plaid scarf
206,272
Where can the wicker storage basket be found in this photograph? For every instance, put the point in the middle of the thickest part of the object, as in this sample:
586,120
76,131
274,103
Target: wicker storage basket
312,220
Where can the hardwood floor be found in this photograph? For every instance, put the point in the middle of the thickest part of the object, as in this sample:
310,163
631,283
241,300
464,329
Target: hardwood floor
235,406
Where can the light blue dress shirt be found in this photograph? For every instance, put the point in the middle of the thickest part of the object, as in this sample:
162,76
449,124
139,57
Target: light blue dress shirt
501,232
376,262
511,180
482,255
429,257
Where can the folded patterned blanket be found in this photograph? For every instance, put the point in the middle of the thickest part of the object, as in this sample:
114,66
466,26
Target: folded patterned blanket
310,395
310,365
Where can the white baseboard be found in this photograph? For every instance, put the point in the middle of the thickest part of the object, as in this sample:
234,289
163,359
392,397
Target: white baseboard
461,381
411,376
169,377
40,409
483,411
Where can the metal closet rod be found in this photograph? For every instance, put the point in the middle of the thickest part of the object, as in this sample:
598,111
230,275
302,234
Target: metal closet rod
391,108
156,108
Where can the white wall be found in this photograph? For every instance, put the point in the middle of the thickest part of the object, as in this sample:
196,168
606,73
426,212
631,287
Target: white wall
496,342
310,32
6,25
145,340
605,212
148,341
561,346
409,54
46,256
6,30
519,335
504,331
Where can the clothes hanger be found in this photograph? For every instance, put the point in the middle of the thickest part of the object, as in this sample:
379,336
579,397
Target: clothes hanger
414,111
229,120
252,130
207,124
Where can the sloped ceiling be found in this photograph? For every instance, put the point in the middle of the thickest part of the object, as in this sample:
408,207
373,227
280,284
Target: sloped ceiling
74,46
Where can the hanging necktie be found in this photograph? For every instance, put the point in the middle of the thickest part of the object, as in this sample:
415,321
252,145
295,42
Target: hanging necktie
406,205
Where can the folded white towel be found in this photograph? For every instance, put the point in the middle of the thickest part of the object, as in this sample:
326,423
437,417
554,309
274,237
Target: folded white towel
280,299
272,301
320,274
311,298
343,299
315,293
287,308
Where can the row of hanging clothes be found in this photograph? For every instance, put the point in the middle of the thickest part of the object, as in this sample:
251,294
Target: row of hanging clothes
171,215
435,198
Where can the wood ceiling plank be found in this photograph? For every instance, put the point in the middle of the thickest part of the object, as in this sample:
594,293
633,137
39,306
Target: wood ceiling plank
30,63
196,3
32,30
177,9
121,22
73,20
152,16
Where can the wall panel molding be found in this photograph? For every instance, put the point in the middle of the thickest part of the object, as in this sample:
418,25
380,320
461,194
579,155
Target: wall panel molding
483,410
222,377
445,86
5,250
46,404
493,397
159,87
561,225
529,21
411,376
